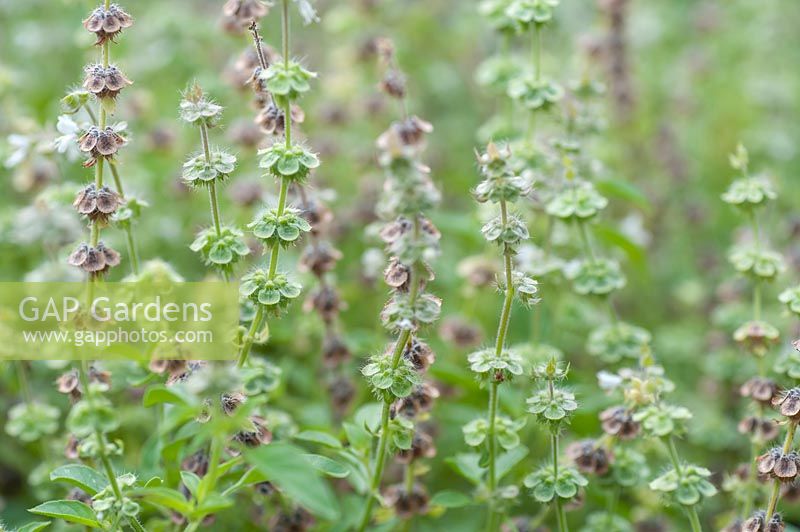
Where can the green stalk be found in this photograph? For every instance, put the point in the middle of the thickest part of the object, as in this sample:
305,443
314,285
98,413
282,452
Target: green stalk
131,241
284,188
691,511
383,437
247,343
776,488
502,330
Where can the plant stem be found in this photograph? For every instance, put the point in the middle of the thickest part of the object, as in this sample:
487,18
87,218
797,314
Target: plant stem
691,511
247,343
22,377
776,488
586,240
212,187
383,437
502,330
537,51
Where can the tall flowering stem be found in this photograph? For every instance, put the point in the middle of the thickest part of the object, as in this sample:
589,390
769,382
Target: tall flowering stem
396,374
92,416
749,194
500,185
552,407
279,84
220,246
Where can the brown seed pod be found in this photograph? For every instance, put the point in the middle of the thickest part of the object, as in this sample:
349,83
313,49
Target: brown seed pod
788,403
94,260
419,401
589,457
100,143
319,258
334,350
97,204
104,82
239,14
760,389
618,421
407,504
422,446
420,354
260,435
106,24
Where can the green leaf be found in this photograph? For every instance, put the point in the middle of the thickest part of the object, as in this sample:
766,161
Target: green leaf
36,526
287,467
191,481
70,511
357,436
161,394
213,504
325,465
166,498
451,499
322,438
617,188
506,461
467,466
81,476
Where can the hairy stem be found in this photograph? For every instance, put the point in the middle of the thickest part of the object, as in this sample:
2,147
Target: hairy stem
248,340
776,488
691,511
502,330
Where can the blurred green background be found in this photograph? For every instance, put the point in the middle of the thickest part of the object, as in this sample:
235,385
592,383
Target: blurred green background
705,75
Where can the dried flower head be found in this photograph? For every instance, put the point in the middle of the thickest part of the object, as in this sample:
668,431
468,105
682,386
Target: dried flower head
104,82
272,121
788,403
239,14
106,24
758,523
460,333
618,421
407,504
779,465
419,401
258,435
100,143
763,429
760,389
422,446
296,520
756,336
393,84
94,260
97,204
590,457
419,354
341,391
325,301
319,258
334,350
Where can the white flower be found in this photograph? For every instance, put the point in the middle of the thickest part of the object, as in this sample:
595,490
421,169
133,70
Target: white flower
21,147
67,143
307,11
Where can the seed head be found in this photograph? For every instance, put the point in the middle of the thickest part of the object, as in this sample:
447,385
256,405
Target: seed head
94,260
106,24
104,82
788,403
618,421
407,504
590,457
97,204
